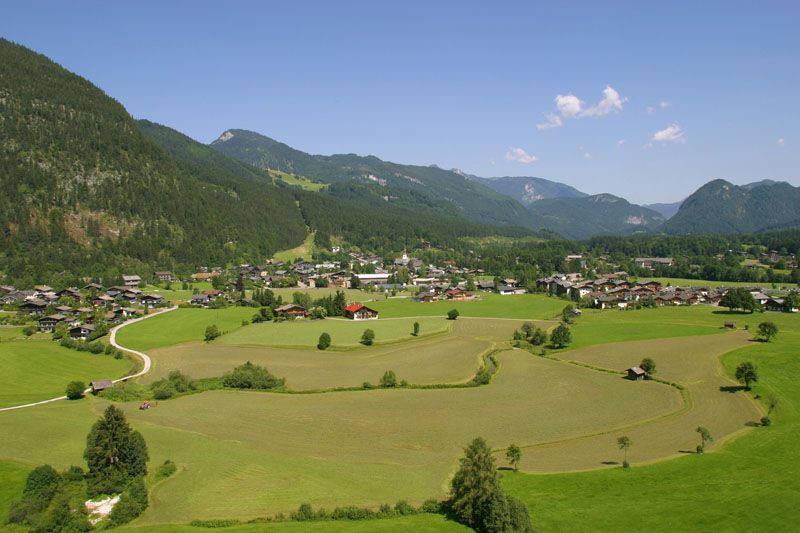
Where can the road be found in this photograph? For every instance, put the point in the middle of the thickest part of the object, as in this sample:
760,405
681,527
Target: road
112,339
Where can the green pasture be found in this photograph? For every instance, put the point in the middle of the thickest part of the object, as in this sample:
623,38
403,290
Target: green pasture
489,305
297,181
682,282
304,250
305,333
748,484
181,325
34,370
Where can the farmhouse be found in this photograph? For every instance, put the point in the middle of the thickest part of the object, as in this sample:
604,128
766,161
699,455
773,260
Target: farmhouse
34,307
49,323
358,311
200,299
292,310
81,332
635,373
151,300
368,279
458,294
163,276
652,262
131,281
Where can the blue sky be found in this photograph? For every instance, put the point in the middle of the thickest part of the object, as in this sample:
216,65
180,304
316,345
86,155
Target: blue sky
647,100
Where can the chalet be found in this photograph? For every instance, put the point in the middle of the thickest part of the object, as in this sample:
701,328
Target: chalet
506,290
485,285
204,276
43,288
426,297
651,285
12,298
371,279
781,304
292,310
458,294
652,262
33,307
81,332
151,300
49,323
102,300
65,309
101,385
200,299
212,293
131,280
422,281
760,297
71,292
559,287
163,276
358,311
636,374
93,287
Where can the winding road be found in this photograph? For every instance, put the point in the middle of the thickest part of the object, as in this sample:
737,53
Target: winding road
112,339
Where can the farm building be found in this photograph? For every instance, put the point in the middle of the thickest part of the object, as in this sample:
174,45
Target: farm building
360,312
730,325
101,385
131,281
635,373
292,310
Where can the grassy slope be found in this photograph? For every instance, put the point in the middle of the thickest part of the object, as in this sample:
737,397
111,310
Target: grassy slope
33,370
681,282
12,476
525,307
181,325
305,250
343,332
749,484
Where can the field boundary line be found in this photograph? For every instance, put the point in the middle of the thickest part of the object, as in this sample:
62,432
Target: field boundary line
146,362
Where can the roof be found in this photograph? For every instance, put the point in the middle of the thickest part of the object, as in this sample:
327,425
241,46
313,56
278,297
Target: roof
101,384
636,370
289,307
352,308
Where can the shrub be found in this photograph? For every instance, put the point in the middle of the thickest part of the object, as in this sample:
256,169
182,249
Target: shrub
163,390
250,376
766,421
131,504
304,512
389,379
404,508
324,341
367,385
482,377
212,332
368,337
561,336
28,331
452,314
166,469
431,506
73,473
75,390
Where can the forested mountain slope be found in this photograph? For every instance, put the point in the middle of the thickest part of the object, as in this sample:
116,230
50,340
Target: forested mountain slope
580,218
84,191
528,190
721,207
431,186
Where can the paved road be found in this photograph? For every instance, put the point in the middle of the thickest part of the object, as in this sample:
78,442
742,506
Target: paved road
112,339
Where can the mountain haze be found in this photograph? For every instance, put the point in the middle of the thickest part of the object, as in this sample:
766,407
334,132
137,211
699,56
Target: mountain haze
529,189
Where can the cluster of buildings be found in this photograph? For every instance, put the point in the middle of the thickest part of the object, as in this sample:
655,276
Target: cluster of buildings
616,291
78,309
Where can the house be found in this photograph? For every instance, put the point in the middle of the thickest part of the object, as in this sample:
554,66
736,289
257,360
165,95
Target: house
131,280
151,300
426,297
49,323
291,310
204,276
163,276
485,285
65,309
102,300
458,294
506,290
100,385
356,311
780,304
93,287
652,262
33,307
81,332
760,297
636,374
369,279
71,292
200,299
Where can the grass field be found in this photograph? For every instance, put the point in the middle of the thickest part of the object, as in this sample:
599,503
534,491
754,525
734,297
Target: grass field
247,454
181,325
681,282
298,181
34,370
523,306
305,250
422,361
343,332
749,484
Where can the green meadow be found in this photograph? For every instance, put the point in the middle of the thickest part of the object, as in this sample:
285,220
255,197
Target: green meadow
488,305
34,370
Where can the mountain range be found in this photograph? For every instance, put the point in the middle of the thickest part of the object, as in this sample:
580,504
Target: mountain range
86,188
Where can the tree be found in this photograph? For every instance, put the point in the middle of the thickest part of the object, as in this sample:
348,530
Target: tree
705,437
452,314
389,379
539,337
566,313
476,497
514,454
75,390
250,376
324,341
368,337
561,336
648,365
528,329
767,330
212,332
115,453
416,329
738,298
624,443
746,373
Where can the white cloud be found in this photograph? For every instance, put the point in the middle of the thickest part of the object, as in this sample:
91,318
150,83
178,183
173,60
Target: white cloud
611,102
649,109
552,121
620,142
672,133
663,104
781,141
519,155
568,105
587,155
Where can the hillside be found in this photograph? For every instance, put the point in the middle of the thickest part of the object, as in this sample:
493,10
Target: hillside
667,210
721,207
431,186
84,191
580,218
528,189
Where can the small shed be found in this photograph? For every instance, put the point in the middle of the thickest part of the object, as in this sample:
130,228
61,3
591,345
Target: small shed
730,324
635,373
100,385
